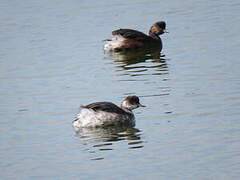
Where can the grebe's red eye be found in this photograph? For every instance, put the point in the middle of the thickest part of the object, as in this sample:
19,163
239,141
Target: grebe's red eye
134,102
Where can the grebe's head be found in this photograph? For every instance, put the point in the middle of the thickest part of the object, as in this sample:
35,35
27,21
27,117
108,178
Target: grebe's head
158,28
131,102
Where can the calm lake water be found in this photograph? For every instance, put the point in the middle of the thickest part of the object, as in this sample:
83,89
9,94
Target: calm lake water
52,61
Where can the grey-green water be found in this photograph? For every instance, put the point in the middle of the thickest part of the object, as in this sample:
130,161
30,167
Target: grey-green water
52,61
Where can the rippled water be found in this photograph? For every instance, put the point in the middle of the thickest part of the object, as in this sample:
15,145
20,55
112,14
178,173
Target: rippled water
52,61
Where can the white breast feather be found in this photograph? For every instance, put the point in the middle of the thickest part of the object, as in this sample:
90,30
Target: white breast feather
116,42
91,118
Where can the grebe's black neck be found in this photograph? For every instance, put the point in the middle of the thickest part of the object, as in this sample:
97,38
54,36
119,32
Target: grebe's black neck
154,35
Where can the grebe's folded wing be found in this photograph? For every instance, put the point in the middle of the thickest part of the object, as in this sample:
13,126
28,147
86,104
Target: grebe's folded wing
105,106
131,34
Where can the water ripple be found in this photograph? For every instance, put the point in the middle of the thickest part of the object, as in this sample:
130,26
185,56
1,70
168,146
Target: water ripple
144,62
103,139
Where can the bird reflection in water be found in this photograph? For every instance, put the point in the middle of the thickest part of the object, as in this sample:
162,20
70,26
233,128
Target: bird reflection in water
103,139
140,61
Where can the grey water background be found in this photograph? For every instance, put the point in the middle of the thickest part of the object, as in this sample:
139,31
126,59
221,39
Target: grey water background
52,61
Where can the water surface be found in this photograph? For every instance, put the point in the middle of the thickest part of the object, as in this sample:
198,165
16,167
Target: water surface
52,61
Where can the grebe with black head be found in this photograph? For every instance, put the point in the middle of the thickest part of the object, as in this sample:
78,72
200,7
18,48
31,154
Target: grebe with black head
129,39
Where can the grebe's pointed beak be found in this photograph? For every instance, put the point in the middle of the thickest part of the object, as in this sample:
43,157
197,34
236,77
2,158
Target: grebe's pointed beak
140,105
165,31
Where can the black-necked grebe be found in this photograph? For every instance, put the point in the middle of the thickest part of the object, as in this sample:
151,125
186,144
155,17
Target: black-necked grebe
126,39
100,114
